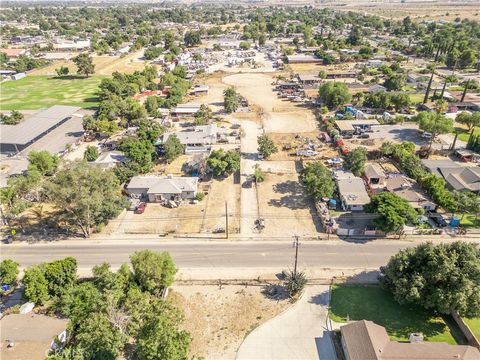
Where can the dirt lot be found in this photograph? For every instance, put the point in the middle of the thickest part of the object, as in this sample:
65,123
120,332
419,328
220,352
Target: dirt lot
278,115
286,208
104,65
442,10
288,144
219,319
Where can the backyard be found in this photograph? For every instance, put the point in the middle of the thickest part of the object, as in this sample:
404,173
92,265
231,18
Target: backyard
357,302
37,92
464,134
474,325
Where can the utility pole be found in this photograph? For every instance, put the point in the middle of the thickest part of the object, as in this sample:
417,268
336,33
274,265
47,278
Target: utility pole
296,245
226,219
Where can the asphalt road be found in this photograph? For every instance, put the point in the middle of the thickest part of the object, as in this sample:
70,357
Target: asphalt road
213,254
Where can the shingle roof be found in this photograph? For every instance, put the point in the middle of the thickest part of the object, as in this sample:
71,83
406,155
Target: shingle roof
373,171
365,340
353,191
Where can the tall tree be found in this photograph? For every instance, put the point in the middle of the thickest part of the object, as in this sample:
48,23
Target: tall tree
266,146
153,271
355,160
442,277
173,148
84,64
85,196
318,180
434,123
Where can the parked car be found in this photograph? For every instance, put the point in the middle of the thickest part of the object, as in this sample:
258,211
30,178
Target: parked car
364,136
140,208
439,220
426,135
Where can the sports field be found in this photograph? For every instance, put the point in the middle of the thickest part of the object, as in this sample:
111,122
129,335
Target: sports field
36,92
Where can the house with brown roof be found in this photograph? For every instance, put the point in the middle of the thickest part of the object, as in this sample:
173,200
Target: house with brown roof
365,340
409,190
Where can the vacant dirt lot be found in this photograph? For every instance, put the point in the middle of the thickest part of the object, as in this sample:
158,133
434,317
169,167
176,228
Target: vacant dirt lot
286,208
219,319
277,115
104,65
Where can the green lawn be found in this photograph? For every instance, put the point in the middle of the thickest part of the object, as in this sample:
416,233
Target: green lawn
35,92
464,134
373,303
416,98
474,325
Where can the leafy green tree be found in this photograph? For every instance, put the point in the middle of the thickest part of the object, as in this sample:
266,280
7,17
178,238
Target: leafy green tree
468,58
266,146
79,302
224,163
150,131
152,52
61,275
245,45
99,338
192,38
467,202
318,180
173,148
8,272
441,277
14,118
160,336
355,160
84,63
470,120
334,94
62,71
394,82
400,101
43,162
35,284
151,105
91,153
85,196
259,174
230,100
395,211
434,123
139,151
153,271
203,115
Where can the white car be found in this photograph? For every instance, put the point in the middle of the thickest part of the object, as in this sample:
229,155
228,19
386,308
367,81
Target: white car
426,135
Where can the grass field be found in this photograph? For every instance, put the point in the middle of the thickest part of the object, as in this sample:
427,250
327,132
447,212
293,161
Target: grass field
373,303
464,134
474,325
36,92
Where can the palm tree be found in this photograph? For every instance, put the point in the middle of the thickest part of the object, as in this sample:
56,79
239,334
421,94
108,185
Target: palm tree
427,93
449,79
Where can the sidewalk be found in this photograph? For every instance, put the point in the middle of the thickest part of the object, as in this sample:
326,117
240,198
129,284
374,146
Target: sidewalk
298,333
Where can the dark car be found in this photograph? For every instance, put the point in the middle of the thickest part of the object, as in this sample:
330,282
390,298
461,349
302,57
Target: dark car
140,208
364,136
439,220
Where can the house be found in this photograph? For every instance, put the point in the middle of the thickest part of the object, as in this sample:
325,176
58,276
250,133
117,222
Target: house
374,63
110,159
341,75
309,79
376,89
196,136
467,155
374,175
185,110
158,189
353,195
365,340
410,191
199,89
458,177
415,77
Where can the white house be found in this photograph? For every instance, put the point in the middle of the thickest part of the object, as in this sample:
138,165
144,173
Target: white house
157,189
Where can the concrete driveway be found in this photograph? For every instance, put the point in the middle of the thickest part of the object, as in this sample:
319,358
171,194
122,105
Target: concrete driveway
298,333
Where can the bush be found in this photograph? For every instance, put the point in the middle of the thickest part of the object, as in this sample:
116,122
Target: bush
200,196
91,153
295,282
36,286
8,272
60,275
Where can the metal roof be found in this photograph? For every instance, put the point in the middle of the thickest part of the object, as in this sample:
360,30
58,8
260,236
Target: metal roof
35,125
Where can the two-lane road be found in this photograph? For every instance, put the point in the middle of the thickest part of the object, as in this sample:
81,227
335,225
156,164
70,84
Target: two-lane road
213,254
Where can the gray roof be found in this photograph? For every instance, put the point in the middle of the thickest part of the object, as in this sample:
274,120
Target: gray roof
374,171
195,136
163,185
353,191
35,125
